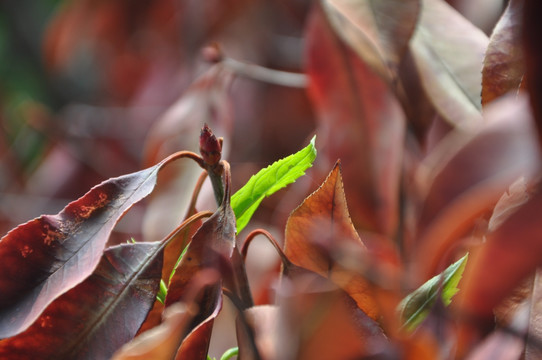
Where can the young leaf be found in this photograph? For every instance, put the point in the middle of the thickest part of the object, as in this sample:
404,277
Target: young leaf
95,318
416,306
268,181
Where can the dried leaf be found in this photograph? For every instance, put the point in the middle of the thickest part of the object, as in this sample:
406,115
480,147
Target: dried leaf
84,322
51,254
360,122
319,230
449,60
503,64
378,30
268,181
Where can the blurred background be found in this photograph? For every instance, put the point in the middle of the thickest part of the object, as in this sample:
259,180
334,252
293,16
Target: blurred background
93,89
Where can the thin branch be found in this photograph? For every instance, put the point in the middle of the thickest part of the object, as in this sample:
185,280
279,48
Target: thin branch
271,76
287,263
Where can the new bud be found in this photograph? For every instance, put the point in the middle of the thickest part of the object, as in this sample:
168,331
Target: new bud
209,146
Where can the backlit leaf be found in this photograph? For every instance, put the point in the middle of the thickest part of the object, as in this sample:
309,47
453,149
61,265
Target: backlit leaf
47,256
448,51
415,307
268,181
378,30
92,320
319,231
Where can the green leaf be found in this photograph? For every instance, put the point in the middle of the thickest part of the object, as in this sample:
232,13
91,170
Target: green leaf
416,306
269,180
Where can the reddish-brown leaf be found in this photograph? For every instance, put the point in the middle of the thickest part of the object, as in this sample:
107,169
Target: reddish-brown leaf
47,256
161,342
449,61
503,64
317,320
318,234
378,30
360,122
467,175
510,254
92,320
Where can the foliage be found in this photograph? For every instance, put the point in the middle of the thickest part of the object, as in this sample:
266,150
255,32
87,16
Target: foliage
428,146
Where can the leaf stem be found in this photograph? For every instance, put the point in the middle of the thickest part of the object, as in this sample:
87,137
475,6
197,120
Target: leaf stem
271,239
270,76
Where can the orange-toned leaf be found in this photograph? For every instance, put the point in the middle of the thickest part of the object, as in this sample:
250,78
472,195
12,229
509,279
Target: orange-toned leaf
360,122
161,342
320,231
503,64
318,320
95,318
47,256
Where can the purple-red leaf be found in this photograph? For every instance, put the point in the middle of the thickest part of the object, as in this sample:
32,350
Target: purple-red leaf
92,320
47,256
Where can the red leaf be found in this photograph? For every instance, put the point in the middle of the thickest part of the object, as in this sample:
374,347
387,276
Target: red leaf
318,235
360,123
468,174
503,64
510,254
92,320
49,255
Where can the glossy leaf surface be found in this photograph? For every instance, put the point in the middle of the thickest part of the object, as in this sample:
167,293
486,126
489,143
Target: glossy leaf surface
51,254
92,320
